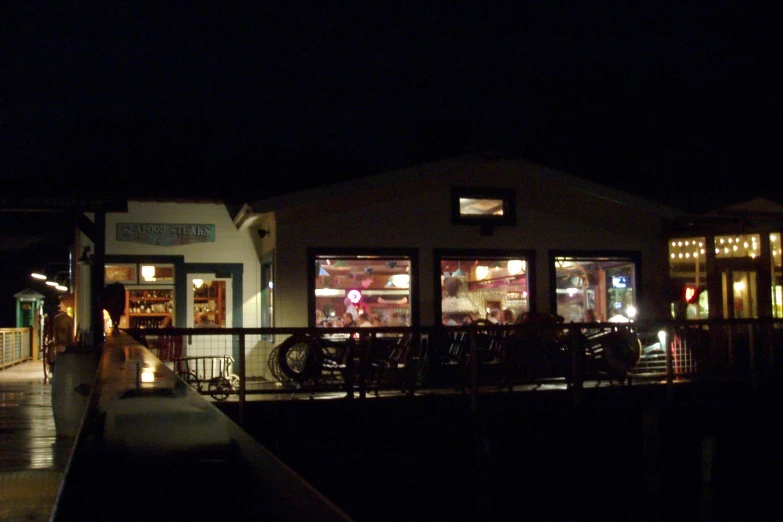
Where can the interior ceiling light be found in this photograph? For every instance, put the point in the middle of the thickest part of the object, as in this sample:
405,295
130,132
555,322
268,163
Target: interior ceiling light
148,272
515,266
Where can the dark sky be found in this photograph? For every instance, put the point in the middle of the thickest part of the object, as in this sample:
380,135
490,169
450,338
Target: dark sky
232,98
678,101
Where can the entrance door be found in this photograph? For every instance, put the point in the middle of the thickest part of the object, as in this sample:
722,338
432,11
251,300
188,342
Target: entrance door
210,299
739,290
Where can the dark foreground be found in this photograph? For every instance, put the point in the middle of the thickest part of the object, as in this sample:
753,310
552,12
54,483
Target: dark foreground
706,452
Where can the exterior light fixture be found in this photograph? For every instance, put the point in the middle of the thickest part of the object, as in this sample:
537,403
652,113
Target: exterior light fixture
86,257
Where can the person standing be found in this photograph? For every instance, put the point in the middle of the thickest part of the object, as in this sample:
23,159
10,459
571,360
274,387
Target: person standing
62,334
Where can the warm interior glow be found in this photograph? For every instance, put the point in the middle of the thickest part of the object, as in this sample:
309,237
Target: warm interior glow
400,280
148,375
482,272
515,266
148,272
198,282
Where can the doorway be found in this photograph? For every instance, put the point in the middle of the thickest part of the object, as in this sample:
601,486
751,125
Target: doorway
739,292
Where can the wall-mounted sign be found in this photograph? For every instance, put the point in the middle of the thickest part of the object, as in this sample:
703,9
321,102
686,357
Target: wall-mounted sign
165,234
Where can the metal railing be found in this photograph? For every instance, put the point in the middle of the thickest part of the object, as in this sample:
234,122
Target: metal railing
15,346
358,362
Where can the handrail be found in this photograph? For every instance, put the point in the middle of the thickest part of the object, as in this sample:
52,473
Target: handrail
151,447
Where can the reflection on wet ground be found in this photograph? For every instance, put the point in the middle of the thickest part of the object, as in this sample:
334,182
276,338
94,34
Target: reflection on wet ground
32,457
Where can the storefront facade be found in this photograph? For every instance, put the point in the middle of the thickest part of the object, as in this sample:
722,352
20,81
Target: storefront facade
179,262
461,238
727,264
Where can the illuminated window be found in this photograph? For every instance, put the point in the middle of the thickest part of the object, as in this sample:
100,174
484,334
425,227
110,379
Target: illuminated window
482,206
596,288
376,288
740,245
475,284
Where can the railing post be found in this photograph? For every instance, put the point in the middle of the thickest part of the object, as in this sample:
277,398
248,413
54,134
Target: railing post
473,368
364,357
672,338
242,375
752,358
577,369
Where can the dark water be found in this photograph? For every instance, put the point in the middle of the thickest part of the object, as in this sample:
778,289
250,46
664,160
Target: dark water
627,454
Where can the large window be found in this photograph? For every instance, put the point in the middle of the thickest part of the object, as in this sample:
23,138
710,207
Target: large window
688,269
777,275
475,286
596,288
367,290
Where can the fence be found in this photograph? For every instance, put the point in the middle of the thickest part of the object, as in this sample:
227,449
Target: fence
15,346
249,361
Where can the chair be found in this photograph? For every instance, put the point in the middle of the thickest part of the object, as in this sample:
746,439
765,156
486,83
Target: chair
394,362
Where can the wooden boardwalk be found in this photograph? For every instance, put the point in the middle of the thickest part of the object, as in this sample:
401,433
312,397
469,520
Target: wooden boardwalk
32,457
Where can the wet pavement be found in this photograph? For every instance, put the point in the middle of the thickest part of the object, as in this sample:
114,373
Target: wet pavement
32,457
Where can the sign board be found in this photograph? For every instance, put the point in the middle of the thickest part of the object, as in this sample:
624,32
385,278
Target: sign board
165,234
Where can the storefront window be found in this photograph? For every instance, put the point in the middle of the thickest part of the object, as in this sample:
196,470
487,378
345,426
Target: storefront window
742,245
474,288
362,291
605,286
688,268
777,276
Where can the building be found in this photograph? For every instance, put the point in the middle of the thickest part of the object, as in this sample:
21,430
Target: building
177,260
461,236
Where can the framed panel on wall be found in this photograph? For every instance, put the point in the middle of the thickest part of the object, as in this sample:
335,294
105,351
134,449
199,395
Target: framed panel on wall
125,273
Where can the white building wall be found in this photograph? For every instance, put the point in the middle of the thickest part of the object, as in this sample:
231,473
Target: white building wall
230,246
412,209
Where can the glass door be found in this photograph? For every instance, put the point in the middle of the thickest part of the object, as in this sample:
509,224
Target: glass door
739,293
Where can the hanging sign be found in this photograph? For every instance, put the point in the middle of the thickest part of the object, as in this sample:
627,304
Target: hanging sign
165,234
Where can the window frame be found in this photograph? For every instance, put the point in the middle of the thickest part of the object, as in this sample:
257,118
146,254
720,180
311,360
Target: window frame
507,195
412,255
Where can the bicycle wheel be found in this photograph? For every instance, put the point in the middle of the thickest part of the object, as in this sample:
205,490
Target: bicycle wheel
219,388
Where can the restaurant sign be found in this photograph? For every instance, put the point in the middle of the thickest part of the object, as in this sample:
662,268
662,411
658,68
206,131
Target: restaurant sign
165,234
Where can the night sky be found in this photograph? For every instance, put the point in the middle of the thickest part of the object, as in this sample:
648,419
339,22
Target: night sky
677,101
230,98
